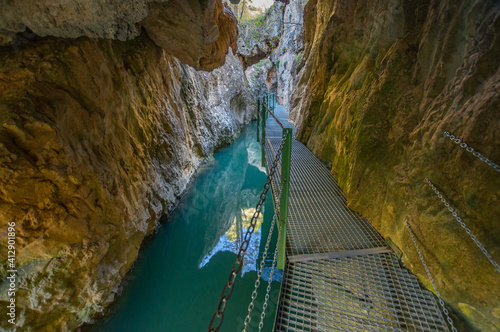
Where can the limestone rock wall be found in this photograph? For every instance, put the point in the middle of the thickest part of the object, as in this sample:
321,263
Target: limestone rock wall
257,76
98,139
381,83
259,37
290,52
198,32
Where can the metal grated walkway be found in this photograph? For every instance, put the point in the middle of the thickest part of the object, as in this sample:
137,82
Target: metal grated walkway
339,275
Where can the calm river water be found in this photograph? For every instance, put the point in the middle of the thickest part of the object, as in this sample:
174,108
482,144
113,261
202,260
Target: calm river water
179,275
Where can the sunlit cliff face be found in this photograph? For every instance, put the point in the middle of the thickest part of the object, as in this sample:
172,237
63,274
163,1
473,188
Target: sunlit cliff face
102,126
233,238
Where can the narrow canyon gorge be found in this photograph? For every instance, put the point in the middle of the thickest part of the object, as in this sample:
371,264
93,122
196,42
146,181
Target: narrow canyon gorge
109,109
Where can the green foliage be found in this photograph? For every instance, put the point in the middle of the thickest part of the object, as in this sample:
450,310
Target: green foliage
277,63
250,12
298,56
255,26
259,20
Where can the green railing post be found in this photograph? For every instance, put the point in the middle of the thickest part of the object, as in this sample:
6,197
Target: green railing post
285,185
264,111
263,140
258,118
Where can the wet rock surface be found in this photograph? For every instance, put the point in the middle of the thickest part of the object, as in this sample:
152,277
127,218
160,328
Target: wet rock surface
380,85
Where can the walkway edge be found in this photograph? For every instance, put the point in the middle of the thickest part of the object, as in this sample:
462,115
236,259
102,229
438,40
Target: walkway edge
339,254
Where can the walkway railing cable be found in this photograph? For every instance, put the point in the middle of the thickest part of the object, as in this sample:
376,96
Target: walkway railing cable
227,291
441,302
248,318
471,150
274,116
268,289
464,226
270,144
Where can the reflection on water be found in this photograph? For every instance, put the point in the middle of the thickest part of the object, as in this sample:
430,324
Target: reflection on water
233,189
231,241
177,280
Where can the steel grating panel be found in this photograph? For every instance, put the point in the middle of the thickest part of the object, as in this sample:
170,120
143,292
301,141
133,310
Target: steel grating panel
362,293
367,292
319,220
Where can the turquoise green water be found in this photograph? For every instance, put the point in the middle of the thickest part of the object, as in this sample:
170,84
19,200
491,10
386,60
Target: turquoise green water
179,275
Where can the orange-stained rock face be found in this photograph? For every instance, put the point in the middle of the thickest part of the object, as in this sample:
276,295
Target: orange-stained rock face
197,33
100,137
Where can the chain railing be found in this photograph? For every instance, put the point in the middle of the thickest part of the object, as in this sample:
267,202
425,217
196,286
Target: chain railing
285,176
274,116
471,150
285,146
441,302
268,289
464,226
248,318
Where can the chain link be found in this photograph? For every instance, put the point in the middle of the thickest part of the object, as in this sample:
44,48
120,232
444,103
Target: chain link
441,302
464,226
471,150
248,318
268,290
227,291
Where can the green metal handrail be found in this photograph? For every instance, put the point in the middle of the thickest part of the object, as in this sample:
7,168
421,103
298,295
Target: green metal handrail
285,186
264,111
